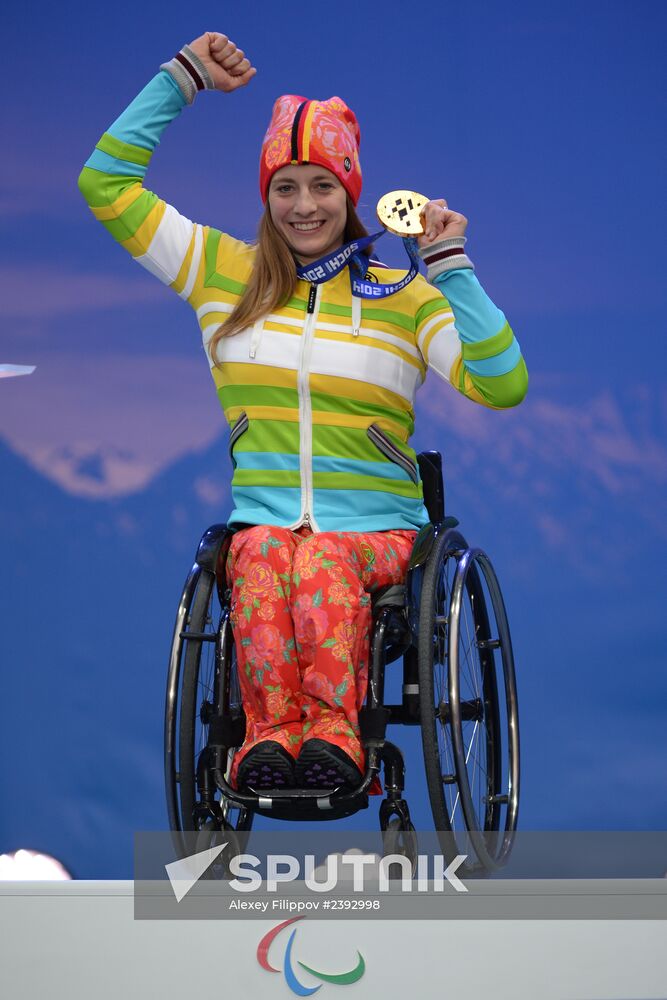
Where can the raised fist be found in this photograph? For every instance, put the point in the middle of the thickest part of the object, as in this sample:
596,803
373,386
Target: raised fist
227,65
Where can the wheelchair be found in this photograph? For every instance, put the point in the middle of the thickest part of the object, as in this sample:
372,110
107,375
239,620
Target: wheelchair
448,624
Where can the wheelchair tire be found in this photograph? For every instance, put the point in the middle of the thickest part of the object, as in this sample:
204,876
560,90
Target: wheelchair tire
193,679
468,704
401,840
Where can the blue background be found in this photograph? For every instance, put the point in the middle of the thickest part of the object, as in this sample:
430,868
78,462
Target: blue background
540,123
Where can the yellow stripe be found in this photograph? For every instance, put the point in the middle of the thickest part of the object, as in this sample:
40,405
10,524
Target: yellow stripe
371,342
322,417
117,207
213,319
179,282
305,151
239,373
296,331
384,326
335,385
284,413
138,243
325,418
469,389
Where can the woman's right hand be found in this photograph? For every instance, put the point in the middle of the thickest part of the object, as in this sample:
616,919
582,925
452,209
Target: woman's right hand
226,64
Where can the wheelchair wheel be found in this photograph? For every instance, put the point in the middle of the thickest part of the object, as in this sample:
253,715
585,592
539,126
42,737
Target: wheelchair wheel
202,658
402,840
468,704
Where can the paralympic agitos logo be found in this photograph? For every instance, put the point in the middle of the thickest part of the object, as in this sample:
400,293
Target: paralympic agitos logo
339,979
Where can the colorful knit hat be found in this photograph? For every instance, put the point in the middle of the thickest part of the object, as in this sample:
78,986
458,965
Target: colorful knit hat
303,131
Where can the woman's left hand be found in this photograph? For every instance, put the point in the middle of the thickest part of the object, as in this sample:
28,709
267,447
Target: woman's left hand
440,223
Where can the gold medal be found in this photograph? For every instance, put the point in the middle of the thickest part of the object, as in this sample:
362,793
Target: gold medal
398,211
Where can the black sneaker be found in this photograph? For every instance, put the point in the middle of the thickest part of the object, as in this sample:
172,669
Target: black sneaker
267,765
323,765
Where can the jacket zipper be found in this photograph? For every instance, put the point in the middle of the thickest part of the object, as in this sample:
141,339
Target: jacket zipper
306,410
388,448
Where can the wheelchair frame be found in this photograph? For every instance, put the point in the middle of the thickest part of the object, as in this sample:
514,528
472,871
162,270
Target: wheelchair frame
444,575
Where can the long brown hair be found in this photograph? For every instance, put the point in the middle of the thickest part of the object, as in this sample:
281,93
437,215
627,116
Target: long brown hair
273,278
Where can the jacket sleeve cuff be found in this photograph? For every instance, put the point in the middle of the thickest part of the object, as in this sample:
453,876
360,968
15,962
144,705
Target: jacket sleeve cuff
445,255
189,73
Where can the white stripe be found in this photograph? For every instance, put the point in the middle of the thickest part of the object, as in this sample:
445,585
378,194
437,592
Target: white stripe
194,264
286,320
281,350
428,326
322,327
169,245
371,333
370,365
443,351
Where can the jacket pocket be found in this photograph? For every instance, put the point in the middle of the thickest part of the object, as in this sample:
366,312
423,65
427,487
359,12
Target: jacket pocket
392,452
240,427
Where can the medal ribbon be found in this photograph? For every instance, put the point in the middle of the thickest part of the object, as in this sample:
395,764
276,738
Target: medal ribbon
328,267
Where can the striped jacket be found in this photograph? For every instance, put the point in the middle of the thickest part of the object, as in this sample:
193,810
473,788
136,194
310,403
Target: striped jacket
319,395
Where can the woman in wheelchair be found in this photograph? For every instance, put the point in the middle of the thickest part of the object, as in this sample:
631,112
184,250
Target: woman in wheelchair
318,386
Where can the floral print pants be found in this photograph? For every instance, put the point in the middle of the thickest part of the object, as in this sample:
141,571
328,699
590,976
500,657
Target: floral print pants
301,617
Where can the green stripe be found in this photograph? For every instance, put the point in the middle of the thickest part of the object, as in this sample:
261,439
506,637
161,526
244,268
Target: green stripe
389,316
331,309
376,315
352,481
503,390
462,379
342,978
281,436
324,481
345,442
370,315
124,150
257,395
325,403
353,443
267,477
429,308
100,189
129,221
488,348
295,303
212,279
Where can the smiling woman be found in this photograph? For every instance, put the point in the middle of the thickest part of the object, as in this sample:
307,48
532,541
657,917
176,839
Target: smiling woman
318,388
309,210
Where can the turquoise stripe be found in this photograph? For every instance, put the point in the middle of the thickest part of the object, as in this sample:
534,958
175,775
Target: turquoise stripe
145,119
334,510
498,365
266,460
385,470
265,505
110,165
476,316
371,505
324,463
